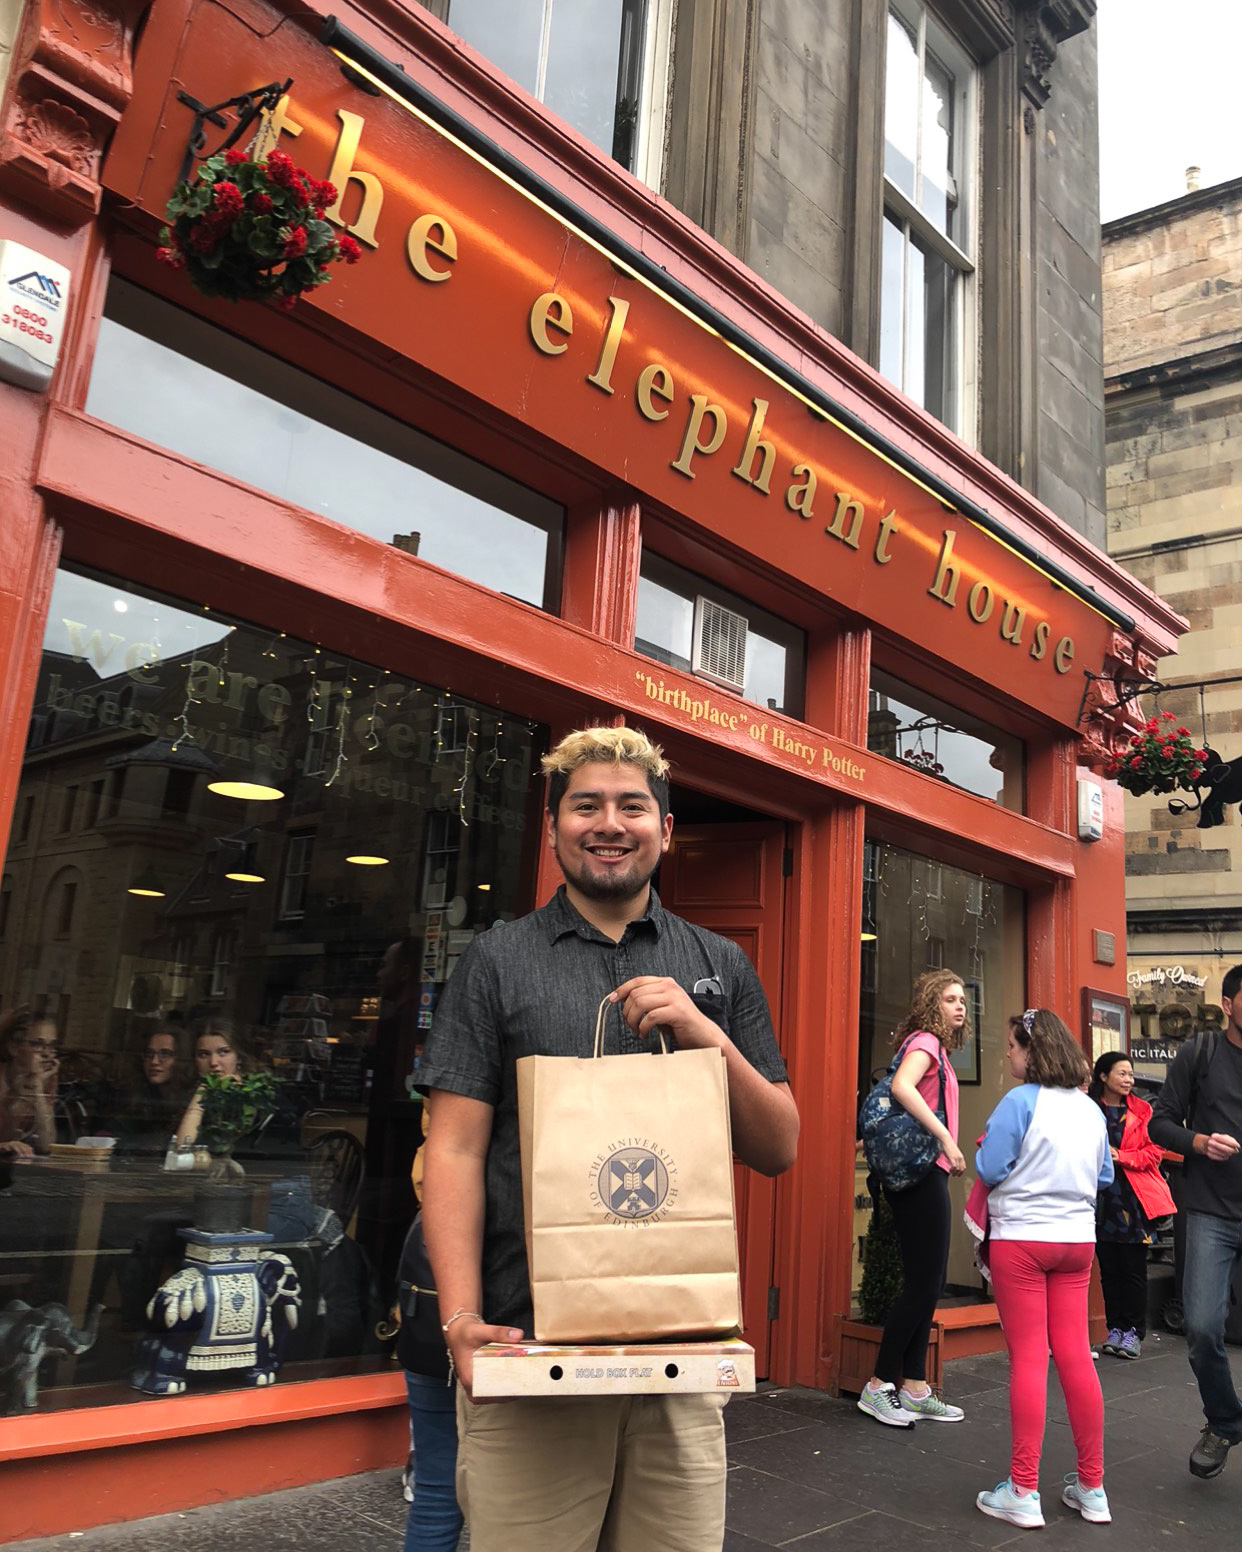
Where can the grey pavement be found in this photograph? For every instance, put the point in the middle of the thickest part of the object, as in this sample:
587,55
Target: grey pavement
812,1473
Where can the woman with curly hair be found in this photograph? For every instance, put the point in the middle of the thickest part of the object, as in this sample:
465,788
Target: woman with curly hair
934,1026
1045,1155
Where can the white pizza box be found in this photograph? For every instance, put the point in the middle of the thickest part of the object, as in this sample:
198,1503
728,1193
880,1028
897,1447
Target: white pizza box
636,1369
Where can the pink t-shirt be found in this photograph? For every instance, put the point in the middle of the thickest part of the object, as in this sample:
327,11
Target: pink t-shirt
929,1083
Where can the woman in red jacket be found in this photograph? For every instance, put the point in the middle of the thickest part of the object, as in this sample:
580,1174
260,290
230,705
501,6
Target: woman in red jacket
1126,1209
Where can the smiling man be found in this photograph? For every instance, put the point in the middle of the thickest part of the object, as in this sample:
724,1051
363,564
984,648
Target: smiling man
574,1474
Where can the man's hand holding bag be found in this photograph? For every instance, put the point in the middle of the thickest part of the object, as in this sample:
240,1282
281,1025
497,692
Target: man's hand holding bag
627,1183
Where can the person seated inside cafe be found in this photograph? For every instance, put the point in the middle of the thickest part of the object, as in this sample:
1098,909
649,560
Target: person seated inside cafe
29,1066
144,1112
219,1050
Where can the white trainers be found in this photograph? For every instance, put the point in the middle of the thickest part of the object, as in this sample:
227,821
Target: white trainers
929,1406
1004,1502
883,1405
1091,1502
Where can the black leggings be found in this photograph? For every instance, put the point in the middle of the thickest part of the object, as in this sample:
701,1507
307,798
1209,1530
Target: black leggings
921,1218
1123,1277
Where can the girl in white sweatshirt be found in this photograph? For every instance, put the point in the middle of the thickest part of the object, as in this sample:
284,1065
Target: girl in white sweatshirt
1045,1155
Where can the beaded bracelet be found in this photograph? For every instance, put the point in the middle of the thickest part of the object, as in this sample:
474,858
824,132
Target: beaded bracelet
459,1314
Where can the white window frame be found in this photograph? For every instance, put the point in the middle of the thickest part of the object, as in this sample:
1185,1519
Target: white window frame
651,144
962,416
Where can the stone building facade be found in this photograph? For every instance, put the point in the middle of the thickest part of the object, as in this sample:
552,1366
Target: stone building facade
1173,354
776,126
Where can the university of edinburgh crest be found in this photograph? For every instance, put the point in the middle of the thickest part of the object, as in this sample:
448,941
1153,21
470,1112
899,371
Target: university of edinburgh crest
634,1182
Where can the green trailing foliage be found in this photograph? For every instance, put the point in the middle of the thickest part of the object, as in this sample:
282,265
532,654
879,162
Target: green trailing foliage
881,1279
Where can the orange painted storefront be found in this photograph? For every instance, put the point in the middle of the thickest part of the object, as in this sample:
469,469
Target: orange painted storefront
485,320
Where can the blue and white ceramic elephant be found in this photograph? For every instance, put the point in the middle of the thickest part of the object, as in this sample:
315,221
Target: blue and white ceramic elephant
231,1306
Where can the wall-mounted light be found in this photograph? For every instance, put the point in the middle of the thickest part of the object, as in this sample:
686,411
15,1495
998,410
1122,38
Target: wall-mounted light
867,937
364,861
483,886
246,878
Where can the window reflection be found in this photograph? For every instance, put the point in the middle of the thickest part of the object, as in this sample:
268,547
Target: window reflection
190,387
583,59
314,927
664,630
921,914
905,724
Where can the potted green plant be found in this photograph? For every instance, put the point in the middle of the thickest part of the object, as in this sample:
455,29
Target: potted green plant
880,1285
249,230
1158,759
232,1107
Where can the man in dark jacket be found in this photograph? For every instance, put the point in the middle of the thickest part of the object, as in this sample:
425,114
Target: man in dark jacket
1199,1114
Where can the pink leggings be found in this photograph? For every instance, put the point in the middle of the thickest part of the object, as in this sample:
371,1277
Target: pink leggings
1041,1293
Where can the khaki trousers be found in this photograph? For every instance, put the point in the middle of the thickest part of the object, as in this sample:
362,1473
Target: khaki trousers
592,1473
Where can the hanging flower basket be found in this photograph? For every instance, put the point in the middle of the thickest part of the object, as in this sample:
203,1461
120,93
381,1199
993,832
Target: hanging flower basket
1159,759
247,231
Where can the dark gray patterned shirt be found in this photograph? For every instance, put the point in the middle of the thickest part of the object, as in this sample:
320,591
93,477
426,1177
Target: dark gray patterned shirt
531,988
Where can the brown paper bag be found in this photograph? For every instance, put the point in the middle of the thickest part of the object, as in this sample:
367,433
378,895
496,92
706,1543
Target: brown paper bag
627,1184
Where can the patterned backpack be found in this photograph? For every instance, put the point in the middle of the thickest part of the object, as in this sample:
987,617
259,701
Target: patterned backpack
898,1149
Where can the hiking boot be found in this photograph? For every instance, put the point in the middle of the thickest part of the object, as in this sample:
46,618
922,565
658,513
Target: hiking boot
1208,1457
1004,1502
1112,1341
1091,1502
929,1406
1129,1346
883,1405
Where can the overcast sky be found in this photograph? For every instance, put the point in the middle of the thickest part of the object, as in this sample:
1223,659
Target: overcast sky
1169,98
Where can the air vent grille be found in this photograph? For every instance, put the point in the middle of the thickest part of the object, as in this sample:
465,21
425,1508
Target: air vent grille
719,644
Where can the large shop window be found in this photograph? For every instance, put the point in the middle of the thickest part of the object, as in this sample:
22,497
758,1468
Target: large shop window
918,915
905,724
926,308
591,61
290,852
185,385
690,623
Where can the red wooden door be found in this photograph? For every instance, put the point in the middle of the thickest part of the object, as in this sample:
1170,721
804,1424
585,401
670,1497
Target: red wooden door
730,878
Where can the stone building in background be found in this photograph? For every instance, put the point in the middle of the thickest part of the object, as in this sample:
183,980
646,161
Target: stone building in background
1173,359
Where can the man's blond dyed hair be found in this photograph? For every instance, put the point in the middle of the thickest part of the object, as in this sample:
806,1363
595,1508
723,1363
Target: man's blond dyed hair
607,746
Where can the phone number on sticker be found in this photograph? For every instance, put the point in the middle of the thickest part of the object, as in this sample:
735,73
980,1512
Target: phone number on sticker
26,323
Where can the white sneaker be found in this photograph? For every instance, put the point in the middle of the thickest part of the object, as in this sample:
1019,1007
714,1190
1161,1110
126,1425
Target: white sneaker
883,1405
1004,1502
1091,1502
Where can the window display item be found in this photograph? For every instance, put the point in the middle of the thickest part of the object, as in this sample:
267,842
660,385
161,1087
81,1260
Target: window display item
231,1306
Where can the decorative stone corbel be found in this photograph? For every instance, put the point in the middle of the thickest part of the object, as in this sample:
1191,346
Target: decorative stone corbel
70,79
1043,26
1110,710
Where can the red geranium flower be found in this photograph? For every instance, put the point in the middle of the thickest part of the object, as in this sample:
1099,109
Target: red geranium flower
229,200
1195,774
1167,716
235,157
1136,762
1184,732
351,250
261,204
295,247
280,169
